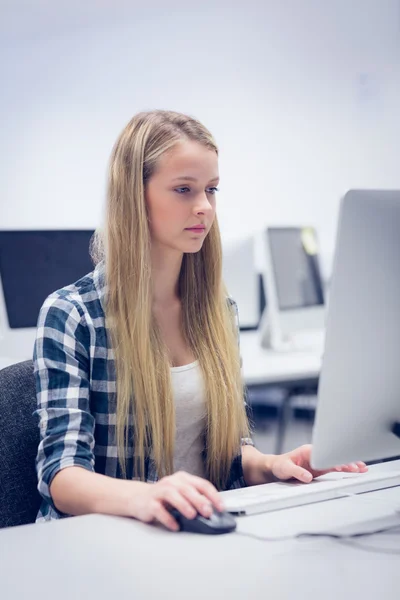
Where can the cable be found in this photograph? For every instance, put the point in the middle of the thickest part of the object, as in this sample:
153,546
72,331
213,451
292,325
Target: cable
346,539
311,534
342,538
365,497
369,548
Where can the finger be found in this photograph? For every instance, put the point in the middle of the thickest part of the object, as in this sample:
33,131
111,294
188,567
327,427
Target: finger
164,517
350,468
292,470
207,489
362,466
176,499
201,503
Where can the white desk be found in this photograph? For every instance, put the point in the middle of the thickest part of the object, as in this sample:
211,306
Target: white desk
6,361
260,366
99,558
267,367
290,371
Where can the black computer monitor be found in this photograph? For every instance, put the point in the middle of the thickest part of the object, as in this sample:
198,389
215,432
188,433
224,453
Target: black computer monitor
33,264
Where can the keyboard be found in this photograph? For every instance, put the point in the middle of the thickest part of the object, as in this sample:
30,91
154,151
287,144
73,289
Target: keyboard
280,495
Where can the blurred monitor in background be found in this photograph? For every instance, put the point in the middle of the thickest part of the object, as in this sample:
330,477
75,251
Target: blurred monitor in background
33,264
295,315
242,280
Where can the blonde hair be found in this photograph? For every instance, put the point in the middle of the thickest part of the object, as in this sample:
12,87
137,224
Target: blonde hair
144,394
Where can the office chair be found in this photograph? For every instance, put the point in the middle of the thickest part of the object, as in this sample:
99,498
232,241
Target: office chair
19,440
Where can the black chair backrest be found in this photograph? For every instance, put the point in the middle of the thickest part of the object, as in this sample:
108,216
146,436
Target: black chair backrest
19,439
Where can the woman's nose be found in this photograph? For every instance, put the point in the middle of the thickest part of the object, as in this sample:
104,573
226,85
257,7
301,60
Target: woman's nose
203,205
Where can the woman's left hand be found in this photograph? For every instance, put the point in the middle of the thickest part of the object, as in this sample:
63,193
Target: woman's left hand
296,464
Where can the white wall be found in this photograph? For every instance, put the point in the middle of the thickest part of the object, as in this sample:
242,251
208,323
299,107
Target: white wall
302,97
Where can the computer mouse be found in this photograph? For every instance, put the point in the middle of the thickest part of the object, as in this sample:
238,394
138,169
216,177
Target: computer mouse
219,522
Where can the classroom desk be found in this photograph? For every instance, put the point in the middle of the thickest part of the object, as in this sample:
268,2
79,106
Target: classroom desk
6,361
98,557
260,366
263,367
291,372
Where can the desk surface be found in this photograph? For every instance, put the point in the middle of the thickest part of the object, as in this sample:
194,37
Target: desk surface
99,557
260,366
267,367
6,361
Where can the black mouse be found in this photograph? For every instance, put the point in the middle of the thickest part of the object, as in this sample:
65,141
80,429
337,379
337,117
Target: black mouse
219,522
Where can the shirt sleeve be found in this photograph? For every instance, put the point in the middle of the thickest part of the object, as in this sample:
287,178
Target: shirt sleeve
246,441
61,368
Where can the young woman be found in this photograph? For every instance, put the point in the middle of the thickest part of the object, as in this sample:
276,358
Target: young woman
137,364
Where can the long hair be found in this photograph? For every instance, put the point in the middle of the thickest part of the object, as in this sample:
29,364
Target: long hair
144,392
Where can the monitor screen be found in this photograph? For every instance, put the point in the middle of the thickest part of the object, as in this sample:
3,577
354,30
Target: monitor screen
295,265
33,264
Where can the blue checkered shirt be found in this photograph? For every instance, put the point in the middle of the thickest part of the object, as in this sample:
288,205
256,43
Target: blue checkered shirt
76,390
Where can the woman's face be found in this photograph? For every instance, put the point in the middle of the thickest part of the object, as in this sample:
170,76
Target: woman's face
181,195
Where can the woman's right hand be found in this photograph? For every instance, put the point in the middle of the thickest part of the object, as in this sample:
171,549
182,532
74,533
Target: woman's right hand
187,493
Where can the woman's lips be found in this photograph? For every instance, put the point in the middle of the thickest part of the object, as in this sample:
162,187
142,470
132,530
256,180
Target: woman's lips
196,229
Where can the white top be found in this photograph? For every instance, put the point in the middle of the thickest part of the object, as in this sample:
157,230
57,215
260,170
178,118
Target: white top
190,418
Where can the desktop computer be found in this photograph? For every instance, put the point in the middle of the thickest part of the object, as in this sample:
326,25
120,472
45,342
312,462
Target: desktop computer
294,319
33,264
358,408
359,387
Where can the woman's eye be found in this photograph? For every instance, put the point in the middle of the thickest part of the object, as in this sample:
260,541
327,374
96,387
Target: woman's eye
212,190
185,190
182,190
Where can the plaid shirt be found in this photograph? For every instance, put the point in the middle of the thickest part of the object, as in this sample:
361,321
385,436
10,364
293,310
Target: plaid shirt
76,390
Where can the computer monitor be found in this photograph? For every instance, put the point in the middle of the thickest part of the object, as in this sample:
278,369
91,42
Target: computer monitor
359,388
34,264
294,285
242,279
